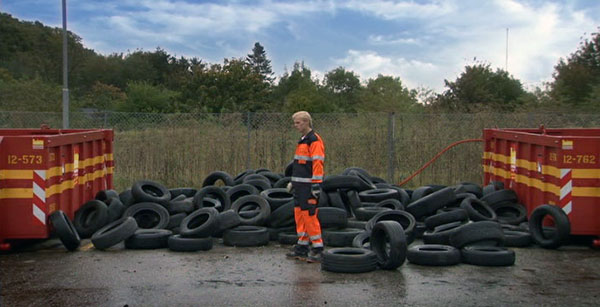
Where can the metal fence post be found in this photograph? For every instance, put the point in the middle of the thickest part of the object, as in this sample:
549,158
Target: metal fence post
248,123
391,151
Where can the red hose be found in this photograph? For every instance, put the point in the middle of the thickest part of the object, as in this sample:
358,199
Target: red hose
435,158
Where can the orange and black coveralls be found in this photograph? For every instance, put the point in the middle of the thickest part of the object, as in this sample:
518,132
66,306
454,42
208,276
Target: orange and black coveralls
308,171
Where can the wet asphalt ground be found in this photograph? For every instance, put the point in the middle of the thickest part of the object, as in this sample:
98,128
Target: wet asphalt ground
48,275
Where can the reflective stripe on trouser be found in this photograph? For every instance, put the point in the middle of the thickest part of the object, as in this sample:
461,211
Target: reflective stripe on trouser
309,226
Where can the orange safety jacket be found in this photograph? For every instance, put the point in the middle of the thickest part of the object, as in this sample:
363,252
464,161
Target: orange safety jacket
308,159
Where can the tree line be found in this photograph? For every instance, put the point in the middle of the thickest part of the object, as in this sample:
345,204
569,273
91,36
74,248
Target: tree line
155,81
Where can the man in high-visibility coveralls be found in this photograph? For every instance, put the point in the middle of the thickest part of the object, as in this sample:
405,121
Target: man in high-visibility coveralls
307,174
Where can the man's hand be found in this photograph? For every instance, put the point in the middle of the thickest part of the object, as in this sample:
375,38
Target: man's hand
315,190
289,187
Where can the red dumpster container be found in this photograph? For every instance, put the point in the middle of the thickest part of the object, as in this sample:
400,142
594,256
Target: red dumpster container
549,166
43,170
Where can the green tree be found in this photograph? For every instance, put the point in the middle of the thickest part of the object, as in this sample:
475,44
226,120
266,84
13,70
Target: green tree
344,88
103,97
388,94
577,78
29,95
259,62
231,87
145,97
480,89
297,90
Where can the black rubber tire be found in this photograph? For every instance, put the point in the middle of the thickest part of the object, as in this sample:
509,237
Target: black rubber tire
277,197
115,209
228,219
256,177
353,199
478,210
240,190
510,213
92,216
420,229
148,215
420,192
377,195
64,229
335,182
287,237
126,198
106,195
175,220
331,217
389,243
363,177
261,217
551,239
150,191
239,178
186,192
274,232
362,240
446,217
405,219
114,233
335,200
488,256
178,243
201,223
352,223
180,206
353,169
340,237
149,239
430,203
488,189
514,238
349,260
272,177
245,236
500,196
213,177
473,233
391,203
282,183
472,188
367,213
433,255
259,184
212,192
441,234
208,202
283,216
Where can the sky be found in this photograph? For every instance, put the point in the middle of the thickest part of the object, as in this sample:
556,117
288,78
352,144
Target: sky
422,42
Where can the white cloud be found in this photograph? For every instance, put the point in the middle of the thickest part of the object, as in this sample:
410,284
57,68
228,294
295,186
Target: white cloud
369,64
399,9
391,40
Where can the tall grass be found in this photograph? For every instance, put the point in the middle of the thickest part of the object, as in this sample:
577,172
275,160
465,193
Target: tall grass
182,149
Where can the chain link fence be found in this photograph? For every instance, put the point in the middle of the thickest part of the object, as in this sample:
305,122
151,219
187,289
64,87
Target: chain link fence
182,149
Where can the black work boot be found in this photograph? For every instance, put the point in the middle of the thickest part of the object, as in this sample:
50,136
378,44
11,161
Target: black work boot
315,255
299,252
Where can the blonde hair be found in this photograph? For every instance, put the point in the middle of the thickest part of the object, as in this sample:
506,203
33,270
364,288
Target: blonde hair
304,116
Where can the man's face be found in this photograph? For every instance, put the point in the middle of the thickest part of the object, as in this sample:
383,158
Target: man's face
301,125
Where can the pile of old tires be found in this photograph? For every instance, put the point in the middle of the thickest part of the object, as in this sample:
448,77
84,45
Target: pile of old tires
463,223
366,222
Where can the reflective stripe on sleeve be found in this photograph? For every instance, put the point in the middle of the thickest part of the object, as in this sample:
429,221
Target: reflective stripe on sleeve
300,179
299,157
322,158
317,177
